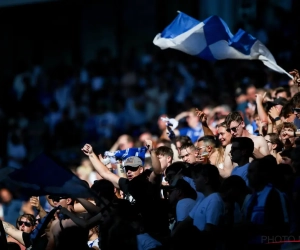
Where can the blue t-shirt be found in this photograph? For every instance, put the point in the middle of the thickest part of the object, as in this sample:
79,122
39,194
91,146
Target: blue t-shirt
297,123
242,172
193,133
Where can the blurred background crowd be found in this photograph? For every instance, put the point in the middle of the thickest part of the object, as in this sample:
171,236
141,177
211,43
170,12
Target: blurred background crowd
64,83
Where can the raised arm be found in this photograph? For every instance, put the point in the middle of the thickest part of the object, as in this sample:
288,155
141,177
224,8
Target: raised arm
263,145
88,206
13,232
157,171
35,202
203,119
86,224
260,109
228,165
100,167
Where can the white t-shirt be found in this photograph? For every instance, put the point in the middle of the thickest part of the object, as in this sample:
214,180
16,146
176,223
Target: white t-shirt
183,208
145,242
209,211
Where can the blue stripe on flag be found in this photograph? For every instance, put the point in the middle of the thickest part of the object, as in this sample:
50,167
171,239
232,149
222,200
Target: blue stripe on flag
215,29
180,24
242,41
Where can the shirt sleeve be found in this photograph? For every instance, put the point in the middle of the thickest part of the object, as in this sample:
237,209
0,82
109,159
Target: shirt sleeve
182,210
123,184
214,212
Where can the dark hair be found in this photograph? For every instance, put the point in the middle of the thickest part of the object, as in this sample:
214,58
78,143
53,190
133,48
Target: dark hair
265,167
282,89
164,150
186,188
267,106
274,139
209,171
104,188
233,116
287,109
187,145
183,139
245,143
296,100
176,167
167,143
234,182
210,140
29,217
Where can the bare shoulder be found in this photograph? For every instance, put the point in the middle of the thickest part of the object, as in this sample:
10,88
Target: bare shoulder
68,223
257,139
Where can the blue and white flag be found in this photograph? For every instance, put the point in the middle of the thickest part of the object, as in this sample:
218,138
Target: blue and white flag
212,40
124,154
43,176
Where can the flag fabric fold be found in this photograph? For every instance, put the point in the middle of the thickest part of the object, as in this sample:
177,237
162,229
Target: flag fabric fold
124,154
212,40
43,176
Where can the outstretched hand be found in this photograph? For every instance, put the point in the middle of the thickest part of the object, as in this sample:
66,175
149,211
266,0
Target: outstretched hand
202,116
87,149
296,76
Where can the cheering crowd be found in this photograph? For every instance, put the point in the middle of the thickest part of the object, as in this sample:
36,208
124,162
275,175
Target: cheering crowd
228,179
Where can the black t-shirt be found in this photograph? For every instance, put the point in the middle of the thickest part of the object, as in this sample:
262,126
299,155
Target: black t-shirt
38,244
145,196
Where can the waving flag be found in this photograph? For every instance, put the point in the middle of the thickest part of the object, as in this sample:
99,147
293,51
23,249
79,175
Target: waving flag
212,40
124,154
43,176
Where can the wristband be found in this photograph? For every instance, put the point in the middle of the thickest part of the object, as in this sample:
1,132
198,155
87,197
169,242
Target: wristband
276,118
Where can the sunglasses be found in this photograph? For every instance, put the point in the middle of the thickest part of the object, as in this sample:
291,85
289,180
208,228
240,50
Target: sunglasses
57,198
296,110
27,224
233,129
129,168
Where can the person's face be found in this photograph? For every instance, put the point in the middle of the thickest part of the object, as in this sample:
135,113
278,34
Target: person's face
201,147
61,201
192,119
164,160
296,111
188,155
290,118
251,92
132,172
236,128
6,195
286,139
270,145
25,225
257,120
282,94
224,136
161,124
235,152
124,144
